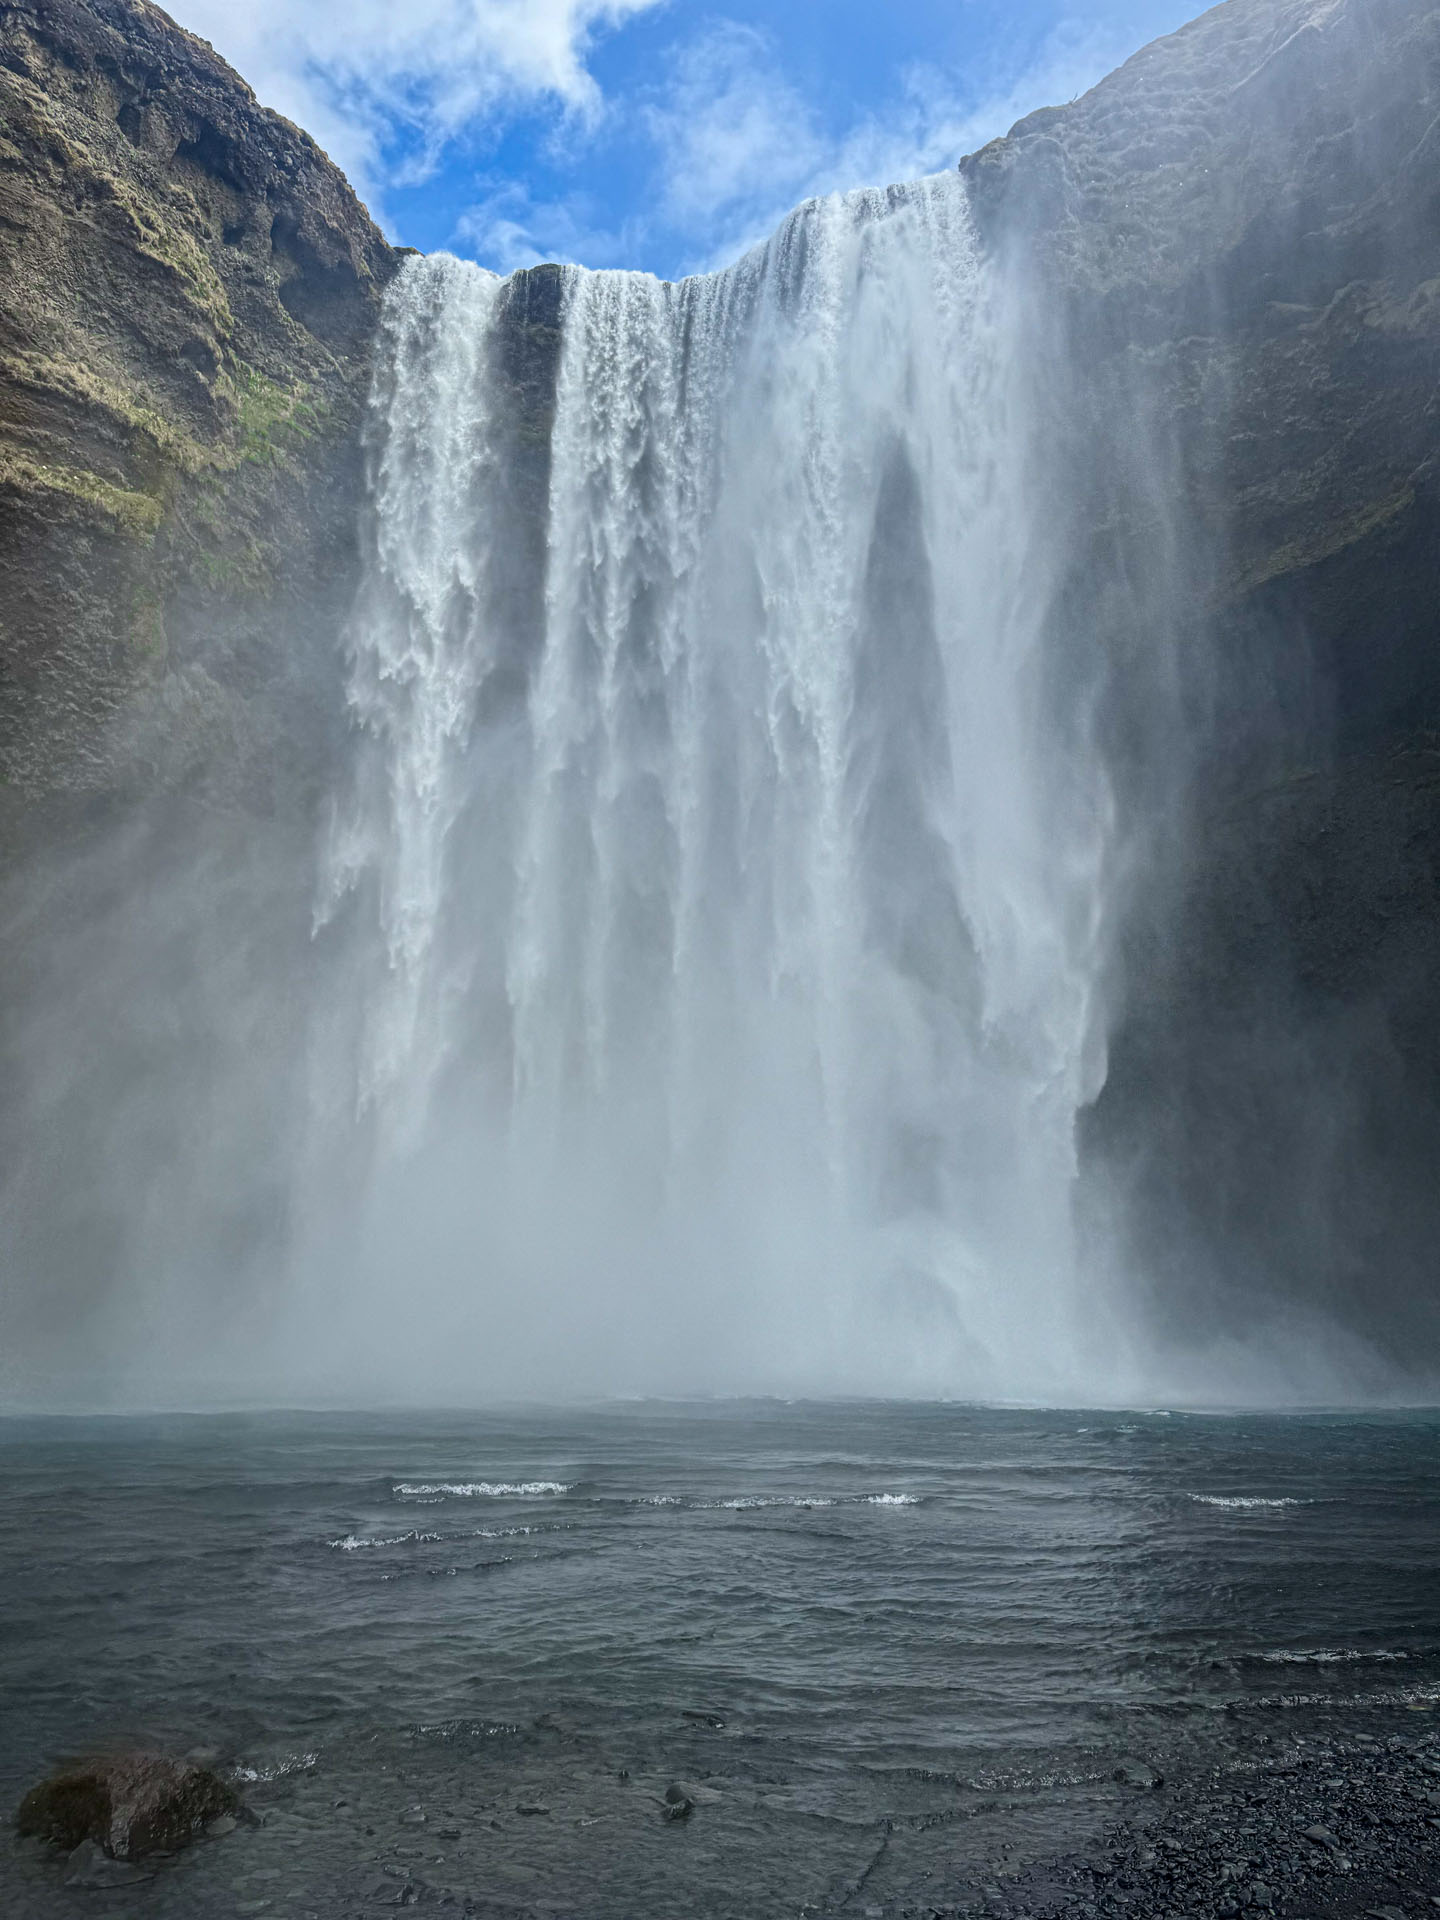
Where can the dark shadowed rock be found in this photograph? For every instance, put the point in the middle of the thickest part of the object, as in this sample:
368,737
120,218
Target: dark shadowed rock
1230,250
1322,1837
129,1805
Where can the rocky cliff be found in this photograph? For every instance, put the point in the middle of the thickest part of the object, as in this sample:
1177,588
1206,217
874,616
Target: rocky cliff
188,291
1236,240
1227,257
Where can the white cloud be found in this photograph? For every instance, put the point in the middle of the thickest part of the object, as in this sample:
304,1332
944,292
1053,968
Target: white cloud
738,146
731,131
384,85
358,74
509,229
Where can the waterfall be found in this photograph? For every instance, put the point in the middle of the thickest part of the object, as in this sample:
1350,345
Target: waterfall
725,933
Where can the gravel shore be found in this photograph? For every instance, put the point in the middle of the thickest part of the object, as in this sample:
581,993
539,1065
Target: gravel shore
1329,1827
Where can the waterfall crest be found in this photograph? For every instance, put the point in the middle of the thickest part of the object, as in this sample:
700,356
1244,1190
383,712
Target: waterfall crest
724,939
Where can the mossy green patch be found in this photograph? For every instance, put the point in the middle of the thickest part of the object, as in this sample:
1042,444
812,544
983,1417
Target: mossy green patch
148,638
273,420
136,514
83,387
167,243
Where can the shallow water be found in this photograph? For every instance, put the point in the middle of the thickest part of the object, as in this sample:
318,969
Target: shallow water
897,1645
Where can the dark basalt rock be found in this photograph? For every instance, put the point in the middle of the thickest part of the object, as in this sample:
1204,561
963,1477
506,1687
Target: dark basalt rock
130,1804
1237,1839
1231,252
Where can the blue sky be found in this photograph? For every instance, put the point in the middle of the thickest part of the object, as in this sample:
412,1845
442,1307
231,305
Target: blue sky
663,134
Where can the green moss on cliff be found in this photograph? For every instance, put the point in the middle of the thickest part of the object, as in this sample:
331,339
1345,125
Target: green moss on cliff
165,242
137,515
149,641
273,420
54,378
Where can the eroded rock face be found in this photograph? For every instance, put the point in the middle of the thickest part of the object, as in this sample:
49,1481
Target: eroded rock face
188,297
130,1804
1234,243
188,291
1229,256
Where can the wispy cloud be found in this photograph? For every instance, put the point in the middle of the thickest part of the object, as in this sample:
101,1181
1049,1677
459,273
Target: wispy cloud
737,146
697,154
730,131
384,84
510,228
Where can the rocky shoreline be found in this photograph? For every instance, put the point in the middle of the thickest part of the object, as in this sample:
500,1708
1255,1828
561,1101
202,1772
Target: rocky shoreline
1320,1825
1324,1826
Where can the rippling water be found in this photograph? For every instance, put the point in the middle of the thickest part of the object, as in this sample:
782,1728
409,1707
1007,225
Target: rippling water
888,1641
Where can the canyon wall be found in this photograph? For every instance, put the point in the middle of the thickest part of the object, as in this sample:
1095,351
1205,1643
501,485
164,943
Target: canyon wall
1236,240
1225,263
188,294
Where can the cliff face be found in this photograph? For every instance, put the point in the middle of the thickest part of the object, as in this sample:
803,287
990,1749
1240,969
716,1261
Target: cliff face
188,291
1236,243
1227,263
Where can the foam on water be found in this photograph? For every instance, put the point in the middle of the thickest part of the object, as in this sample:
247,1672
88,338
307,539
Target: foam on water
282,1769
1243,1502
479,1489
1327,1656
745,1503
356,1543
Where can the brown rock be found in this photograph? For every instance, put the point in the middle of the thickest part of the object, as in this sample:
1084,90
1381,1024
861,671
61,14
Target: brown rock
132,1804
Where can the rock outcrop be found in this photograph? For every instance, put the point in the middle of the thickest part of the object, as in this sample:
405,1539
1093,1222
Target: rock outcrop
188,293
130,1804
1235,241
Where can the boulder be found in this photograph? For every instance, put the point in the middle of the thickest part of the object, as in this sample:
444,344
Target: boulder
129,1804
677,1804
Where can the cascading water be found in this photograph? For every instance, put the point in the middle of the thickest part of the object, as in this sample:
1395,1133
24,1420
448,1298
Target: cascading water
728,994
